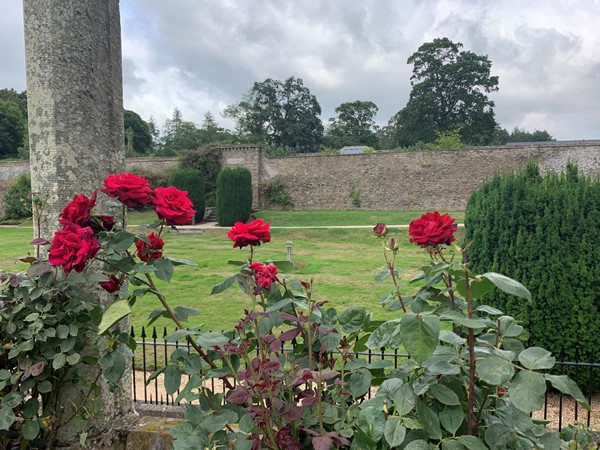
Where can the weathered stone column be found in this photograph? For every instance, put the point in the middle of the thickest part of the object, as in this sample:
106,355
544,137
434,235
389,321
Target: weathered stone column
75,98
75,101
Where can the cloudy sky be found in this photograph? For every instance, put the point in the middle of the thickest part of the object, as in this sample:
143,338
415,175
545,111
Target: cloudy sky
202,55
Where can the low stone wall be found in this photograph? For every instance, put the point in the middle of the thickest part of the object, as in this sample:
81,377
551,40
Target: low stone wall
423,180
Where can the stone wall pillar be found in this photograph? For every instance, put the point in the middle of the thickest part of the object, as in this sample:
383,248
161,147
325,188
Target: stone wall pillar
75,102
75,98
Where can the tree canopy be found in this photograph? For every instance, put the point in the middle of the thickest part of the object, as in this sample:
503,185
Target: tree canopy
12,128
281,113
137,133
353,125
449,88
522,135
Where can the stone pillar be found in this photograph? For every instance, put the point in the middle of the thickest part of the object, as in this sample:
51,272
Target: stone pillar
75,102
75,98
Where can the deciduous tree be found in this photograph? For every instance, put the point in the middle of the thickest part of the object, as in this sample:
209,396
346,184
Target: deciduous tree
353,125
12,128
281,113
449,91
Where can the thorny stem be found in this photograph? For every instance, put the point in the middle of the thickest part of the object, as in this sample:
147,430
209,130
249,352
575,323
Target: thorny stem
87,395
471,422
390,266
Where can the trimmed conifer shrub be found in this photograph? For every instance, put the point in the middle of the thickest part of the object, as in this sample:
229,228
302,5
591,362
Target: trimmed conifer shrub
234,196
17,198
192,181
543,231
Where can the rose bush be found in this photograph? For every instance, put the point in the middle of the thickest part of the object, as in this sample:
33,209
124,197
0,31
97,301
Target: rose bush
51,326
469,382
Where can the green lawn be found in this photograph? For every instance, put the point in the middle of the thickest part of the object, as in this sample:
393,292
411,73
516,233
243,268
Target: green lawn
336,218
342,263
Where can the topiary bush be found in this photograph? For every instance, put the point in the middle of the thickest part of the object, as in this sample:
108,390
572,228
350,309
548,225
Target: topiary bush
234,196
17,198
208,161
543,231
192,181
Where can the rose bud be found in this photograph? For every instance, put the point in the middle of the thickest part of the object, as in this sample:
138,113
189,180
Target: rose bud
380,230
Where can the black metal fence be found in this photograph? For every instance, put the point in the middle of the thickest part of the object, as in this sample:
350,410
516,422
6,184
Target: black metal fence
153,352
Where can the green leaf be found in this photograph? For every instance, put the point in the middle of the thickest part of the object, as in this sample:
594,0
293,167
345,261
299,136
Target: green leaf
429,420
7,418
353,319
213,422
217,288
178,335
282,264
62,331
526,391
489,310
172,379
419,335
451,338
159,312
115,312
404,399
121,241
472,442
495,370
452,418
73,359
536,358
211,339
31,408
113,366
567,386
444,394
372,422
330,340
184,312
508,285
164,269
452,444
144,268
359,382
30,429
419,444
479,287
382,336
181,262
394,432
59,361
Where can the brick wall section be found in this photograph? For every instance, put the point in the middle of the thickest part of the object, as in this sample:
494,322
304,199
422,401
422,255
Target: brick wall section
424,180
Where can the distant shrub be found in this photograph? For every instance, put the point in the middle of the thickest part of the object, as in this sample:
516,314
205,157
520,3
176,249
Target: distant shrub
17,198
542,231
273,193
207,160
192,181
276,151
234,196
355,195
156,178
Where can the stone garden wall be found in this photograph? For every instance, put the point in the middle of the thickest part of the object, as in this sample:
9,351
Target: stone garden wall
385,180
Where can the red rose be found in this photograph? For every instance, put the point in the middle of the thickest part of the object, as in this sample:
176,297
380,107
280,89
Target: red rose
112,285
432,229
253,233
131,190
264,274
72,247
380,229
78,210
173,205
147,252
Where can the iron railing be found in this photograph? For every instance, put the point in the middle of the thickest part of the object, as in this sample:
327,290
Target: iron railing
153,352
